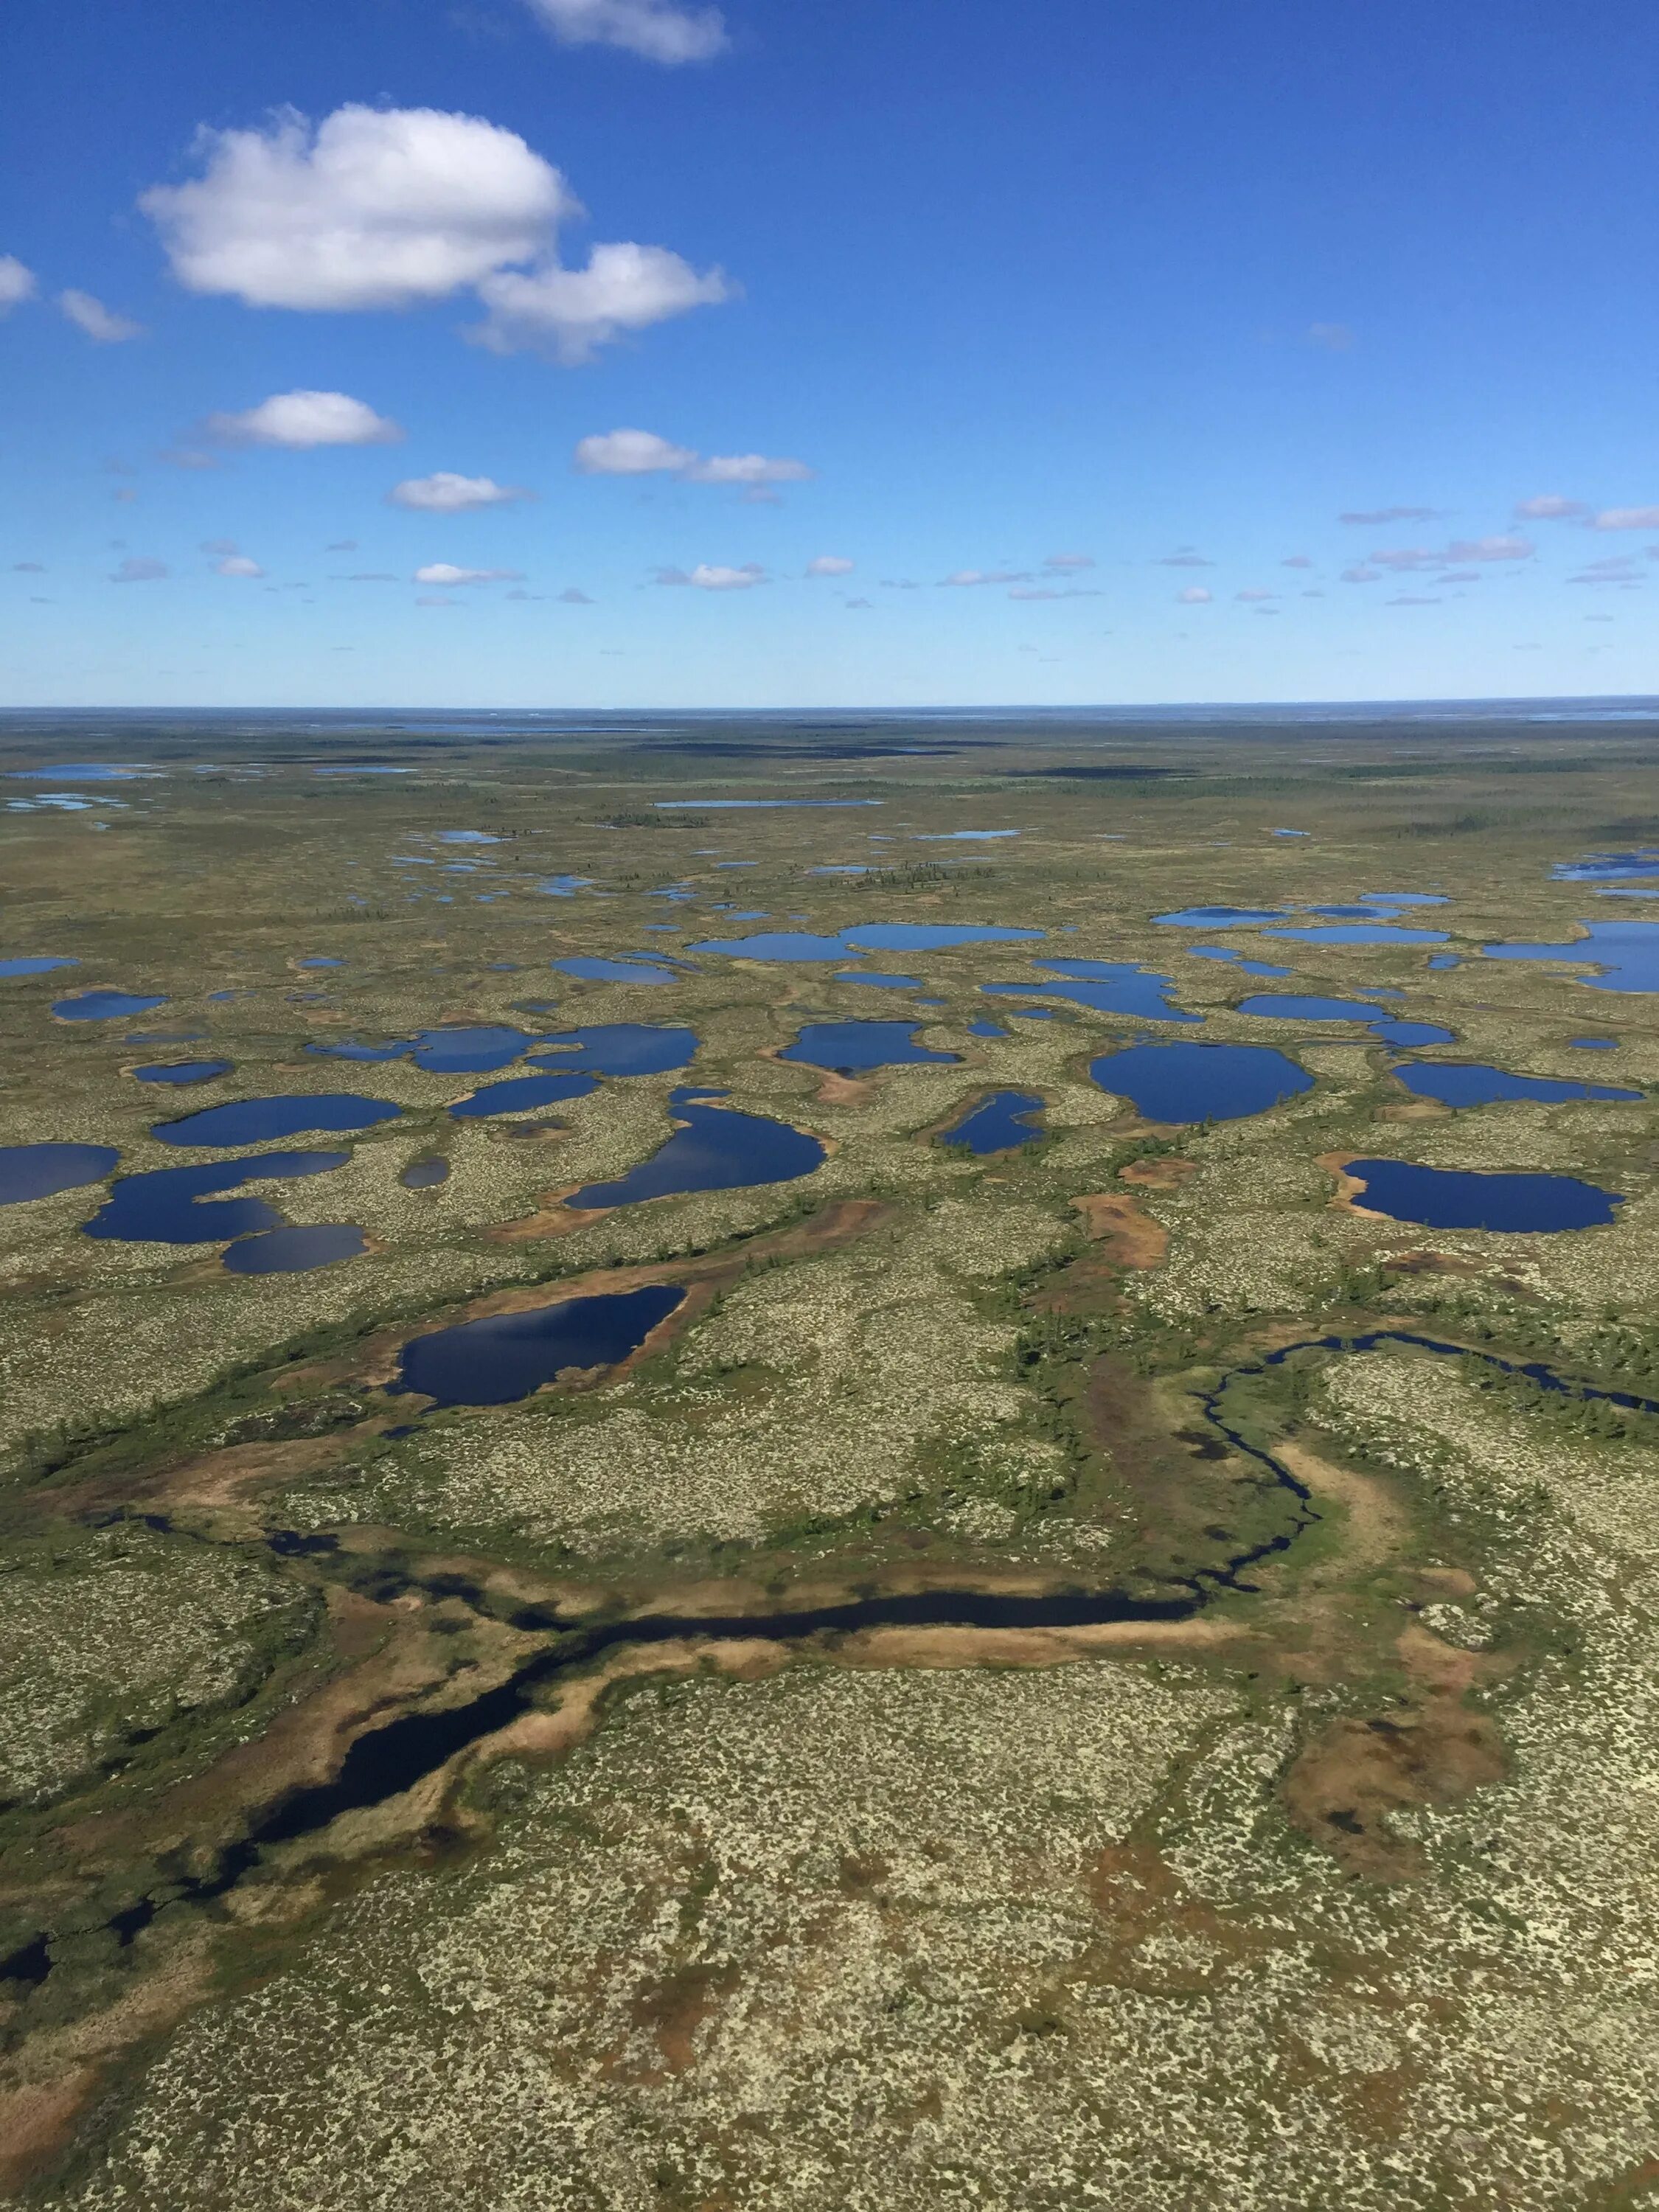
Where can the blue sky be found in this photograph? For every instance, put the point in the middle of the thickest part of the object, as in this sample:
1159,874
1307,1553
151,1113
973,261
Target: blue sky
1115,305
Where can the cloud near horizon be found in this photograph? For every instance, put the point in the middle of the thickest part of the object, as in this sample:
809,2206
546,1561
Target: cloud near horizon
299,420
643,453
444,573
710,577
1195,595
967,576
394,208
1373,518
830,564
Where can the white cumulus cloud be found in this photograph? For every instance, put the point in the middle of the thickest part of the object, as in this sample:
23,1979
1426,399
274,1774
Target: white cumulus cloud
1628,518
445,493
301,419
969,576
1508,548
570,312
99,322
829,564
446,574
642,453
16,282
708,576
1550,507
658,30
237,564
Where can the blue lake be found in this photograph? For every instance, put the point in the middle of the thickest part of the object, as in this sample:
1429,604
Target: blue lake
42,1170
184,1071
1200,1082
294,1251
1629,951
1448,1198
620,1049
866,936
177,1206
1290,1006
458,1049
425,1174
846,1047
1594,1044
1455,1085
504,1357
1108,986
256,1120
37,963
987,1030
1607,867
998,1124
718,1149
614,971
104,1006
1209,917
518,1094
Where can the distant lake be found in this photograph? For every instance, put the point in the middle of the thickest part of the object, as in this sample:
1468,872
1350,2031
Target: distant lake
1200,1082
1449,1198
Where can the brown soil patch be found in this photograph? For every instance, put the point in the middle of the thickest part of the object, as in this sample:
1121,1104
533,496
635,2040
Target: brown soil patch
1414,1109
1165,1171
1131,1238
1377,1527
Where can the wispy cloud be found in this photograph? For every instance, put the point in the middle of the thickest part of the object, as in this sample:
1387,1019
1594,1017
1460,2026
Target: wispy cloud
17,283
968,576
642,453
1628,518
573,597
1509,548
1064,564
1336,338
99,322
445,493
1374,517
1050,591
1193,596
1184,557
138,569
709,576
446,573
829,564
1550,507
656,30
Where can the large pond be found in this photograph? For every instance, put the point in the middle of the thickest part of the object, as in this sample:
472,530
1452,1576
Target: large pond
1361,933
296,1250
862,937
104,1006
183,1072
256,1120
1456,1084
998,1124
1109,986
1452,1198
613,971
1212,917
1609,867
504,1357
1200,1082
620,1049
1291,1006
177,1206
848,1047
718,1149
518,1094
1628,950
42,1170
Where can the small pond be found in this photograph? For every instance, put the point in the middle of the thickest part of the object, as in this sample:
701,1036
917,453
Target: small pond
1594,1044
998,1124
184,1071
1607,867
848,1047
718,1149
39,963
1200,1082
256,1120
425,1174
42,1170
295,1251
1208,917
1455,1083
863,937
1452,1198
166,1205
504,1357
614,971
518,1094
104,1006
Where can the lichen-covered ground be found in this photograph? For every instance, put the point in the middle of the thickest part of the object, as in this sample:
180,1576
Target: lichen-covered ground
835,1758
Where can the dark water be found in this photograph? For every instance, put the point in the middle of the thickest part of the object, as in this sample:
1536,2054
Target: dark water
1628,950
987,1030
256,1120
619,1049
1455,1084
614,971
998,1124
1290,1006
476,1050
846,1047
1208,917
507,1356
718,1149
1200,1082
104,1006
294,1251
1107,987
862,937
176,1206
425,1174
184,1072
1452,1197
1607,867
34,964
519,1093
1594,1044
42,1170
